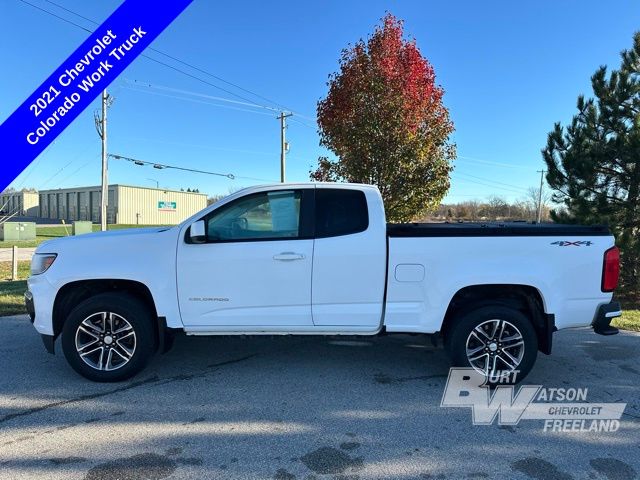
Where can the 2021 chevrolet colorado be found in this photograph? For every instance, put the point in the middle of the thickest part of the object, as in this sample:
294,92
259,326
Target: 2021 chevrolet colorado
320,259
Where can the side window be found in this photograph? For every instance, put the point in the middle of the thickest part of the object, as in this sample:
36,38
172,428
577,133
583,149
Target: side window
340,212
262,216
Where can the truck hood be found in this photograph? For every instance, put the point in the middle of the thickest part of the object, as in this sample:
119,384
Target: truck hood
118,237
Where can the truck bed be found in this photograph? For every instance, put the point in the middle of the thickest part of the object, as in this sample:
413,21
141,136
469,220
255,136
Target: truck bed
493,229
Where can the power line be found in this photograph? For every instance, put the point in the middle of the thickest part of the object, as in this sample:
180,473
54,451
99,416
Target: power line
510,185
150,86
194,77
135,85
31,167
492,186
489,162
142,55
161,166
57,16
198,145
268,180
144,84
55,174
193,100
71,11
182,62
305,117
294,119
217,78
71,174
250,102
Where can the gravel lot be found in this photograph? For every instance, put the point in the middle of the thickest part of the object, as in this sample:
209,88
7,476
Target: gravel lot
301,407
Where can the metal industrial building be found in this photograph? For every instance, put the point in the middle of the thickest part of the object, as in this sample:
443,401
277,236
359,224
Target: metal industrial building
19,203
127,205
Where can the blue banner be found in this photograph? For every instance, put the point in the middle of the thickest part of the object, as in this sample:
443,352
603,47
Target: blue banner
80,79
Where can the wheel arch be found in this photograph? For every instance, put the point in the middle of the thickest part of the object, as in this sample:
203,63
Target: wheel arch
525,298
73,293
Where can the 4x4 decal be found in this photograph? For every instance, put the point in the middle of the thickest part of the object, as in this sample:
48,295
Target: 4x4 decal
578,243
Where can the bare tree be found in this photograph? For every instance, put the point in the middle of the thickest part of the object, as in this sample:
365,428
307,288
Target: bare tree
533,194
497,207
213,199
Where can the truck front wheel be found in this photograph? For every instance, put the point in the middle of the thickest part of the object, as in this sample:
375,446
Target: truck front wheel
495,341
108,337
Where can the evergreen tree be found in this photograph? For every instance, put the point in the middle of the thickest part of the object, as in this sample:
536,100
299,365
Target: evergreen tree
593,162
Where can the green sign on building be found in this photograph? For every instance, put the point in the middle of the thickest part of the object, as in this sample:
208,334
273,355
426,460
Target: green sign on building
167,206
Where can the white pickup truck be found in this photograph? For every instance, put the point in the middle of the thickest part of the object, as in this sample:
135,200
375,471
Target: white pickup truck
320,259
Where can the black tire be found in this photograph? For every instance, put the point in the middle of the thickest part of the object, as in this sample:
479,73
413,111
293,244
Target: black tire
460,336
140,347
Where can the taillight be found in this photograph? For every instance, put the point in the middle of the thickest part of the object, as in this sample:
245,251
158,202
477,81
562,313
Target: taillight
611,269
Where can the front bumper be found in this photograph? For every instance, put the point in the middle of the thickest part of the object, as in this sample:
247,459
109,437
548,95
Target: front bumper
28,303
38,301
604,315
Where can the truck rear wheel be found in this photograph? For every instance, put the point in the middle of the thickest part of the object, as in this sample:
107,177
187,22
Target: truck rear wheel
495,341
108,337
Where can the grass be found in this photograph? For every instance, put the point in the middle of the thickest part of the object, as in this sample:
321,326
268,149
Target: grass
23,243
12,297
630,320
48,233
12,293
23,270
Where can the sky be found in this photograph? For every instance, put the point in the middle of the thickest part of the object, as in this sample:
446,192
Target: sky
510,70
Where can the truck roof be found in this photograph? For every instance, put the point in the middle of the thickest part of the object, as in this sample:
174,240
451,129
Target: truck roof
359,186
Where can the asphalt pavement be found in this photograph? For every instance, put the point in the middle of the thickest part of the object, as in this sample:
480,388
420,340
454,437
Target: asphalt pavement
301,408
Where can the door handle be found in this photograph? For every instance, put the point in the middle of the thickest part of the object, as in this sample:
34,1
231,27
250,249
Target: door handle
288,256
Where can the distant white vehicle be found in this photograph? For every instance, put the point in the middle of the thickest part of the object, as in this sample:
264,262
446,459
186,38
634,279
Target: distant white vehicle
320,259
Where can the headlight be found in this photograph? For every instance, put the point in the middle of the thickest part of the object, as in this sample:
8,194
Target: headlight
41,262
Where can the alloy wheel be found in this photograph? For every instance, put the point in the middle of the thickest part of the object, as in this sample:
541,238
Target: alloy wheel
495,347
105,341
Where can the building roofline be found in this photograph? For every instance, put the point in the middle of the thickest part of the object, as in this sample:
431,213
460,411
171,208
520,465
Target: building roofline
111,185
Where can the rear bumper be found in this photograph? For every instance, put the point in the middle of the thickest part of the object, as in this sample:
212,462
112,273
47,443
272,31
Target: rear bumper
604,315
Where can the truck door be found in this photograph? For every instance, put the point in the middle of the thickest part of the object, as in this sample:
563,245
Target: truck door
255,267
349,259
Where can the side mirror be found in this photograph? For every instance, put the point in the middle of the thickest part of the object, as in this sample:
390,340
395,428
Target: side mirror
197,232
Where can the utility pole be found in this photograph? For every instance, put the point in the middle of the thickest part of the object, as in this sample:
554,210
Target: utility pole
101,128
283,144
105,167
541,172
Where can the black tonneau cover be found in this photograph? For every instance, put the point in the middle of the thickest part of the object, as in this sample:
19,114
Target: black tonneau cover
494,229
